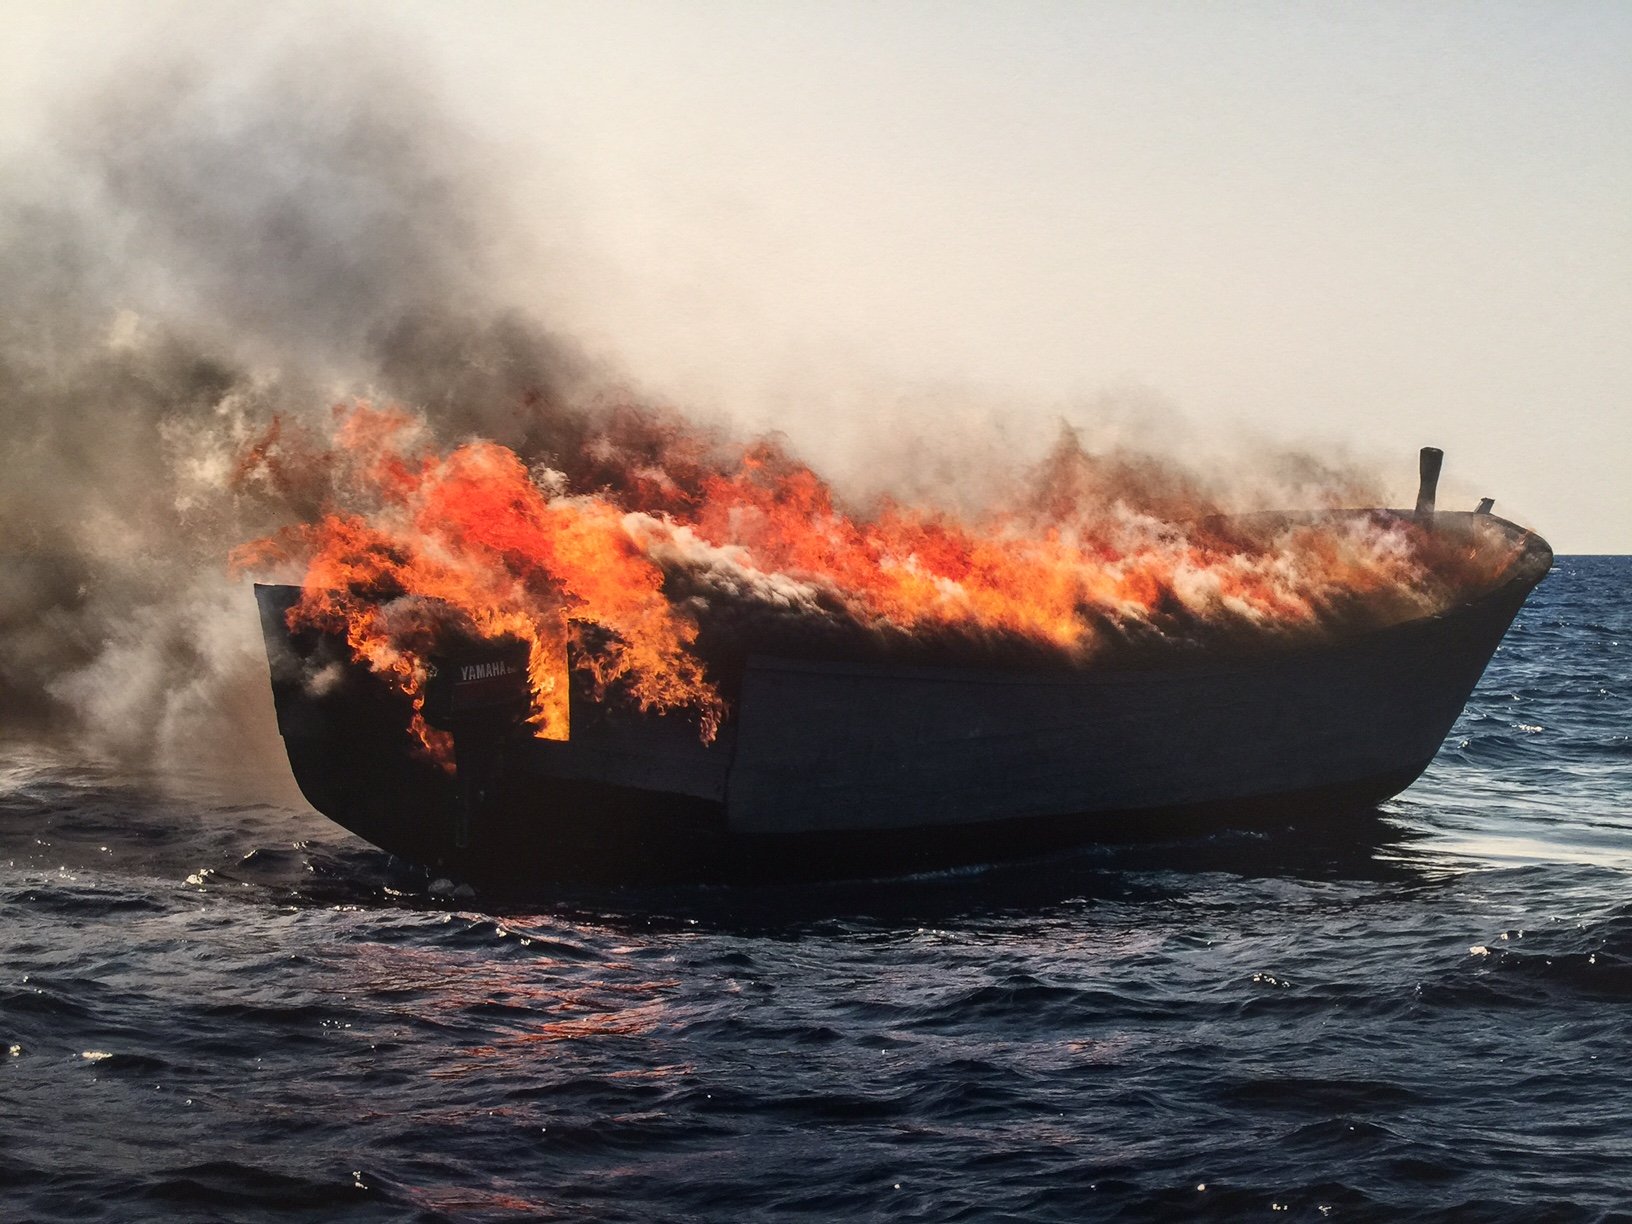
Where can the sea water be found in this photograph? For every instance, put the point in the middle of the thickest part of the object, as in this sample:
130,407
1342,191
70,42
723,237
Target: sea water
218,1011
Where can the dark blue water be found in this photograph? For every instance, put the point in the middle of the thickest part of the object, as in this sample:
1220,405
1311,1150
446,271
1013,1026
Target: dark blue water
213,1011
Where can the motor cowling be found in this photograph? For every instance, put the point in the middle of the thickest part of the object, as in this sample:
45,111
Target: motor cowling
479,687
479,693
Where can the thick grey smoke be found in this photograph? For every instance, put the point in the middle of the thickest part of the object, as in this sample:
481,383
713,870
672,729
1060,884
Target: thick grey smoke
202,247
192,252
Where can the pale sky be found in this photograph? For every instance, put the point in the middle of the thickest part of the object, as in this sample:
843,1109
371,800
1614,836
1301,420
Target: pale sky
1373,226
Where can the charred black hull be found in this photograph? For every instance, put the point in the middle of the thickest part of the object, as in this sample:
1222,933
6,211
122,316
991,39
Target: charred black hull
832,768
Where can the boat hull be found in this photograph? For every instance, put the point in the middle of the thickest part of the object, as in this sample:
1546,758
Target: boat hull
834,769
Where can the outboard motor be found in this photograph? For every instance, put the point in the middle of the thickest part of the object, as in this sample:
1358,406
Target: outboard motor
479,693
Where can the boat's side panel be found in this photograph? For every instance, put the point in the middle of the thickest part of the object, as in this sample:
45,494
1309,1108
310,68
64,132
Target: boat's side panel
627,748
829,748
348,741
630,795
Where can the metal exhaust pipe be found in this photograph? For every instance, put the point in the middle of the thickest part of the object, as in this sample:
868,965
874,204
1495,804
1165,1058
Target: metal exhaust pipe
1428,468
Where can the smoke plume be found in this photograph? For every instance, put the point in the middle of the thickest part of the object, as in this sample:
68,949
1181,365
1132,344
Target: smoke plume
204,262
191,255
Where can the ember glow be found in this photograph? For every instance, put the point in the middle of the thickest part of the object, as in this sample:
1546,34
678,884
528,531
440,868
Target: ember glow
470,542
655,550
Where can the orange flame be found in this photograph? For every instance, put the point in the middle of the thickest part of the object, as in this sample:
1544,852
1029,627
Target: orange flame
468,543
653,528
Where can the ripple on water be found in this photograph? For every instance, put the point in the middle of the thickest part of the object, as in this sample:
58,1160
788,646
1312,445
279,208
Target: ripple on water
1289,1023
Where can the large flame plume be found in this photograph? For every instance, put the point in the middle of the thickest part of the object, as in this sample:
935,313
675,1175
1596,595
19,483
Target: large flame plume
653,552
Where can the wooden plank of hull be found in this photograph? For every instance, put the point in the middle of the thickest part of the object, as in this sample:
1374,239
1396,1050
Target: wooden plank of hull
660,755
831,748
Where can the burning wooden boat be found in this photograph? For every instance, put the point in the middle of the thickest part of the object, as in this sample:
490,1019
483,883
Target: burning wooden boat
834,763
